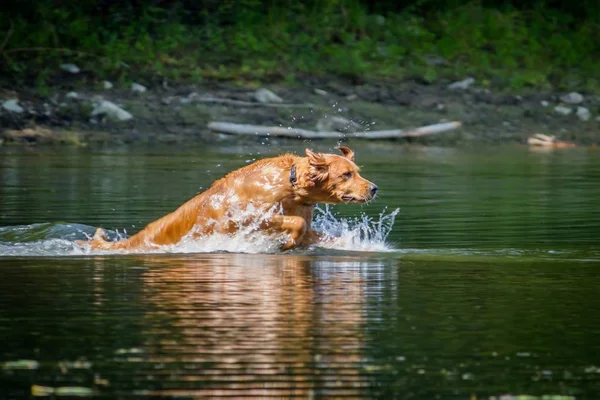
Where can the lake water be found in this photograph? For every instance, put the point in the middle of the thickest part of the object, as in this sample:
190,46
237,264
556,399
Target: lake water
486,283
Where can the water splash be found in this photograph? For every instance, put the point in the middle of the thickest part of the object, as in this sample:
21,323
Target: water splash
363,233
247,239
44,239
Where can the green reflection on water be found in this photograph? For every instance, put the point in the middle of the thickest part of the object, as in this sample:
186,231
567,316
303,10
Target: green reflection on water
493,289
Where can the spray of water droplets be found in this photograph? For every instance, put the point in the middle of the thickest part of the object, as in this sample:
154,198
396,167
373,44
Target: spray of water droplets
362,233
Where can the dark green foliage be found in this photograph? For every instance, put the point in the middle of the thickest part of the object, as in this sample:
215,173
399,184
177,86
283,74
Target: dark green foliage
511,44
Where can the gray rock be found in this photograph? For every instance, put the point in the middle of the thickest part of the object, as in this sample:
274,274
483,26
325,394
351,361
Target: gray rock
109,109
544,103
562,110
190,98
352,97
107,85
72,68
337,123
265,96
583,113
137,88
462,85
47,109
321,92
12,105
169,99
72,95
572,98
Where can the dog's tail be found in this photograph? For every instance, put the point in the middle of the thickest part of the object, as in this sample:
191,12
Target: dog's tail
98,241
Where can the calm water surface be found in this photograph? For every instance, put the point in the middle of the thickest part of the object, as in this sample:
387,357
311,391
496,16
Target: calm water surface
486,285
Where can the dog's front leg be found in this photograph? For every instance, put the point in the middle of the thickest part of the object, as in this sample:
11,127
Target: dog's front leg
311,237
294,226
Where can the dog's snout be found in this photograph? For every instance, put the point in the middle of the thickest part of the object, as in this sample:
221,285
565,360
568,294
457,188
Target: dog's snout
374,189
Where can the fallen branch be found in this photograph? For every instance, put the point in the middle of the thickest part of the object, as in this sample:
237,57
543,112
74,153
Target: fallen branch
541,140
257,130
241,103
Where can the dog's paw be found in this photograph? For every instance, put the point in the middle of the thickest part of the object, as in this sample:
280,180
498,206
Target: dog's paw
100,235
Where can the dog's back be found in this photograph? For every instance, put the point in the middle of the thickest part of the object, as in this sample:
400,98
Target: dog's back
261,184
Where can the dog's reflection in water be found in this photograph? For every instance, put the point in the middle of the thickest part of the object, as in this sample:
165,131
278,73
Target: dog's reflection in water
255,325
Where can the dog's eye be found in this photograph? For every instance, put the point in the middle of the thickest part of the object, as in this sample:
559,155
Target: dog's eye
347,175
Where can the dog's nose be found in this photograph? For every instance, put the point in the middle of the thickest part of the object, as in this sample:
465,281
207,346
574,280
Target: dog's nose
374,189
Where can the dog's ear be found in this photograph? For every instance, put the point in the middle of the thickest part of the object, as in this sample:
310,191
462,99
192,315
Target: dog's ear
319,171
316,160
349,154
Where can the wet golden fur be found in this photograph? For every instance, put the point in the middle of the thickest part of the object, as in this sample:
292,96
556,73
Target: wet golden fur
265,184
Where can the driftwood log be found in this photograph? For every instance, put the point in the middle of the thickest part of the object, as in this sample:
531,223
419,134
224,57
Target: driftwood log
541,140
279,131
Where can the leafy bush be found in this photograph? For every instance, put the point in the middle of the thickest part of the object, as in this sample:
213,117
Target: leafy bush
539,46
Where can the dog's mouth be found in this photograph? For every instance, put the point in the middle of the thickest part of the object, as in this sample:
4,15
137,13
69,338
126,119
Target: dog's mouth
353,199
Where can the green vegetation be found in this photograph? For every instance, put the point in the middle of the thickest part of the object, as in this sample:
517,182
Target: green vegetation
535,46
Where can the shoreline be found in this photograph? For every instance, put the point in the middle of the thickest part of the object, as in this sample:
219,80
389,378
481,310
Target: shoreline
180,113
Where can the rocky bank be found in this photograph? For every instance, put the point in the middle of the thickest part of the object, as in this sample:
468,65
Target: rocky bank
178,113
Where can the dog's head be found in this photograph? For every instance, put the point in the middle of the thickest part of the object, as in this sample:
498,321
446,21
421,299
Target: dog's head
331,178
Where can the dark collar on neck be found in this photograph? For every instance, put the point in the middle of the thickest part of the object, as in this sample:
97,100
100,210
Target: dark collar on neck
293,178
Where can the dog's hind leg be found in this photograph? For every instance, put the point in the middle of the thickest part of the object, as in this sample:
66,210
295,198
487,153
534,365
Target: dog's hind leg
294,226
99,240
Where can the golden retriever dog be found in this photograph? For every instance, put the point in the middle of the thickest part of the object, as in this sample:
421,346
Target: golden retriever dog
289,184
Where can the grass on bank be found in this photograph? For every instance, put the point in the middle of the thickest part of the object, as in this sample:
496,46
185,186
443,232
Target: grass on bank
502,48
